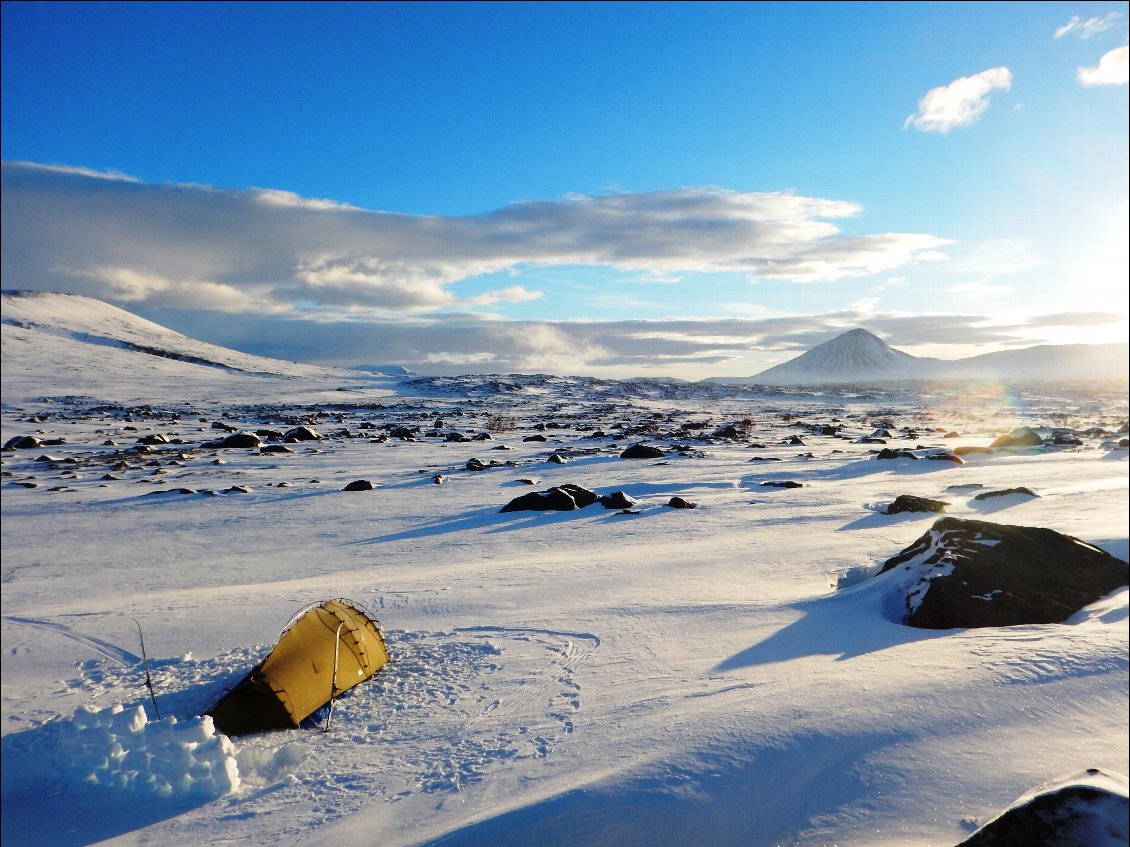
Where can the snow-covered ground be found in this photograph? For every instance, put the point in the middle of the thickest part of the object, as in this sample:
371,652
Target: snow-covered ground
724,675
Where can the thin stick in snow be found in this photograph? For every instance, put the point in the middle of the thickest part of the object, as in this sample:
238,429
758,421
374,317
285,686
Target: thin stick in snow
148,679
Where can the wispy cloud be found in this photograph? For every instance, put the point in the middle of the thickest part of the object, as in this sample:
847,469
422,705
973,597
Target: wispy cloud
268,250
1112,69
961,103
1090,27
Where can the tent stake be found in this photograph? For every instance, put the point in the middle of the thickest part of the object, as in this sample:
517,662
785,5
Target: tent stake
148,679
333,683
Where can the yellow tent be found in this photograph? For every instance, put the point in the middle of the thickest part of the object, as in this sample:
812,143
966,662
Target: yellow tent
326,649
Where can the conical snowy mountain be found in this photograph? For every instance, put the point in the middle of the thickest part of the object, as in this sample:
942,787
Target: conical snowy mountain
857,355
860,356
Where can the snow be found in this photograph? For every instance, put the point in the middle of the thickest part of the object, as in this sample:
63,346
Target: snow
719,676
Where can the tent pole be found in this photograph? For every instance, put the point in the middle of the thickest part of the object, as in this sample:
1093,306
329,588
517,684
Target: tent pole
148,679
333,683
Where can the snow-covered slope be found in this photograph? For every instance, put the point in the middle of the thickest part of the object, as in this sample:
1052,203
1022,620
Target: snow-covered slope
716,676
855,356
56,344
1047,361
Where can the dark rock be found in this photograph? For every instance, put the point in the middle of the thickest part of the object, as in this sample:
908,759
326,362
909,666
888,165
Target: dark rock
617,500
269,434
910,503
475,465
942,455
403,433
359,485
899,453
237,440
1070,812
439,479
455,438
787,483
1019,437
965,573
1066,439
765,459
155,438
1005,492
275,448
679,503
23,442
301,433
535,438
557,459
968,486
225,427
642,451
561,498
794,440
582,496
237,489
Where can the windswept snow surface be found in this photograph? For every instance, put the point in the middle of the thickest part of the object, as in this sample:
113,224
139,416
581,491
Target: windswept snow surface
724,675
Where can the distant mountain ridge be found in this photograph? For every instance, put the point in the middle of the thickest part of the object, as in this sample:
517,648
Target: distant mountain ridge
861,356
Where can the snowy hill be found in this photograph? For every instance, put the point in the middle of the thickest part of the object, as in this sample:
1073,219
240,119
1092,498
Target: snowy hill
855,356
858,356
58,344
1047,361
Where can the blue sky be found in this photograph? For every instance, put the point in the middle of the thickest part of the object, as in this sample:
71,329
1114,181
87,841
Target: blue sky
617,189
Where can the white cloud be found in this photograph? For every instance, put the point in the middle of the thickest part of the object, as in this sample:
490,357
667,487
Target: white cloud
74,170
273,250
1112,69
1087,28
961,103
275,197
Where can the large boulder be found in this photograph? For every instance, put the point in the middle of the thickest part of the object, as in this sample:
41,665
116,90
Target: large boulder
301,433
1089,809
967,573
560,498
911,503
1019,437
235,441
617,500
642,451
23,442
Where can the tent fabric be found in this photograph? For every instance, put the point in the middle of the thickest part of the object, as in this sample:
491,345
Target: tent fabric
298,677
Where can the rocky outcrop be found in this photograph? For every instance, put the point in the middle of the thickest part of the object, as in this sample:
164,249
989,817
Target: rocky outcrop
910,503
234,441
560,498
642,451
1020,437
1086,809
967,573
359,485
